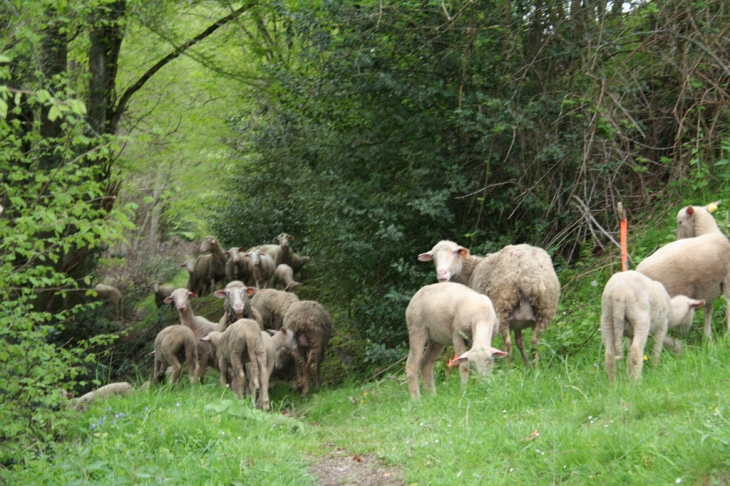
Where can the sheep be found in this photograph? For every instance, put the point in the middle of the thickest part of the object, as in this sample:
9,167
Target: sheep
229,346
273,341
697,221
280,253
635,306
519,279
297,262
170,345
111,295
263,267
198,324
449,313
284,278
121,388
208,269
698,266
272,305
160,292
238,266
237,304
311,325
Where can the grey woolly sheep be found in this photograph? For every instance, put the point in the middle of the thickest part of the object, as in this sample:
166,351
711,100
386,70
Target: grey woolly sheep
111,295
263,267
273,342
237,304
171,344
208,269
449,313
280,253
238,266
519,279
635,306
241,343
198,324
284,278
121,389
272,305
160,292
312,327
297,263
696,266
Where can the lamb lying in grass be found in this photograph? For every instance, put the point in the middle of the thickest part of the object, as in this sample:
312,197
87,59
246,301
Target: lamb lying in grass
449,313
635,306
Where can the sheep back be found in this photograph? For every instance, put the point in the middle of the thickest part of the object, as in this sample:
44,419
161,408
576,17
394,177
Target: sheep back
272,305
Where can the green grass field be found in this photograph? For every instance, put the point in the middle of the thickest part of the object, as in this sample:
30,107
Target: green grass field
671,427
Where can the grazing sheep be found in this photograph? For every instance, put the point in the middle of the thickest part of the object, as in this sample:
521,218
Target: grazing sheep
311,325
241,343
172,344
698,265
272,305
237,304
198,324
160,292
697,221
111,295
449,313
284,278
263,267
121,388
208,269
519,279
635,306
238,266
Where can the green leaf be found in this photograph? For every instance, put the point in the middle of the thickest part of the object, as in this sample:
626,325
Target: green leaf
3,108
53,113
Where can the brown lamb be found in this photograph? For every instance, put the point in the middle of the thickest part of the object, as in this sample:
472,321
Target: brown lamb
312,327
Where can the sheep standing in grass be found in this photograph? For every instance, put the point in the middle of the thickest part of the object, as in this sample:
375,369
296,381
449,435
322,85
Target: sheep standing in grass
241,343
237,304
635,306
198,324
698,265
171,344
284,278
274,341
161,292
263,267
208,269
272,305
519,279
238,266
449,313
280,253
111,295
311,325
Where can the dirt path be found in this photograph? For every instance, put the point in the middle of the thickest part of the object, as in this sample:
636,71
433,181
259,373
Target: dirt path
344,468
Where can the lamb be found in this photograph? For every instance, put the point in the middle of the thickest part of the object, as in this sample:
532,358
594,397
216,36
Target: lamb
635,306
242,343
238,266
208,269
170,345
519,279
263,267
160,292
237,305
272,305
311,325
111,295
696,221
199,325
284,278
273,341
280,253
449,313
121,388
698,265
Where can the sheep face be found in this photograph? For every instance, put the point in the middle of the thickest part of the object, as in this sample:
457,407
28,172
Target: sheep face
448,258
236,295
683,311
481,359
207,244
283,240
255,256
233,254
181,298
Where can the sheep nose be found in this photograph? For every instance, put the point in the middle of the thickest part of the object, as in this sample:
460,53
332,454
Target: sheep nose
181,307
238,307
443,275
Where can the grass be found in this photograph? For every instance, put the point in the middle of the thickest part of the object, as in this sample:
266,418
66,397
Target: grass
671,427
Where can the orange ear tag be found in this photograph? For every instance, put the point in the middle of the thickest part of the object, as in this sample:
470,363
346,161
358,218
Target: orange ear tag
451,361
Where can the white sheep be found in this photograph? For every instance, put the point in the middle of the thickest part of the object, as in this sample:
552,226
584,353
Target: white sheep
170,343
160,292
263,267
111,295
284,278
449,313
519,279
636,306
697,265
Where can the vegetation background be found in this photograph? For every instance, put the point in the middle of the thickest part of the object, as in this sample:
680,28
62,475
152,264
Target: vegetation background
368,130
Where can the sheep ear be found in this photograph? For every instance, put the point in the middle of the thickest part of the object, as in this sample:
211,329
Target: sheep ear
251,290
463,252
696,304
221,294
690,210
273,331
205,338
498,353
425,257
225,252
192,294
457,360
168,299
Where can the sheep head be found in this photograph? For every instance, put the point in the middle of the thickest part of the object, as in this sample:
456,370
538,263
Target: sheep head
448,257
180,297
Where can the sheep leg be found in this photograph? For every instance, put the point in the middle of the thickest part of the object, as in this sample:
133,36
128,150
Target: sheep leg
203,358
238,373
159,372
432,353
417,341
708,320
521,345
263,395
674,345
504,332
460,348
540,326
223,368
656,351
636,350
305,373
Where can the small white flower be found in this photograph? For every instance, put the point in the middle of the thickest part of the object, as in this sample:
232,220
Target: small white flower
504,411
594,284
679,480
436,441
511,469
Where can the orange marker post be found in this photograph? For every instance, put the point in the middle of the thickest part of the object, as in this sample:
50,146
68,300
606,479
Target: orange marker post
624,230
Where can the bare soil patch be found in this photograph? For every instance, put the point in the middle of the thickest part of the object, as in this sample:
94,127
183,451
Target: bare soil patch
344,468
